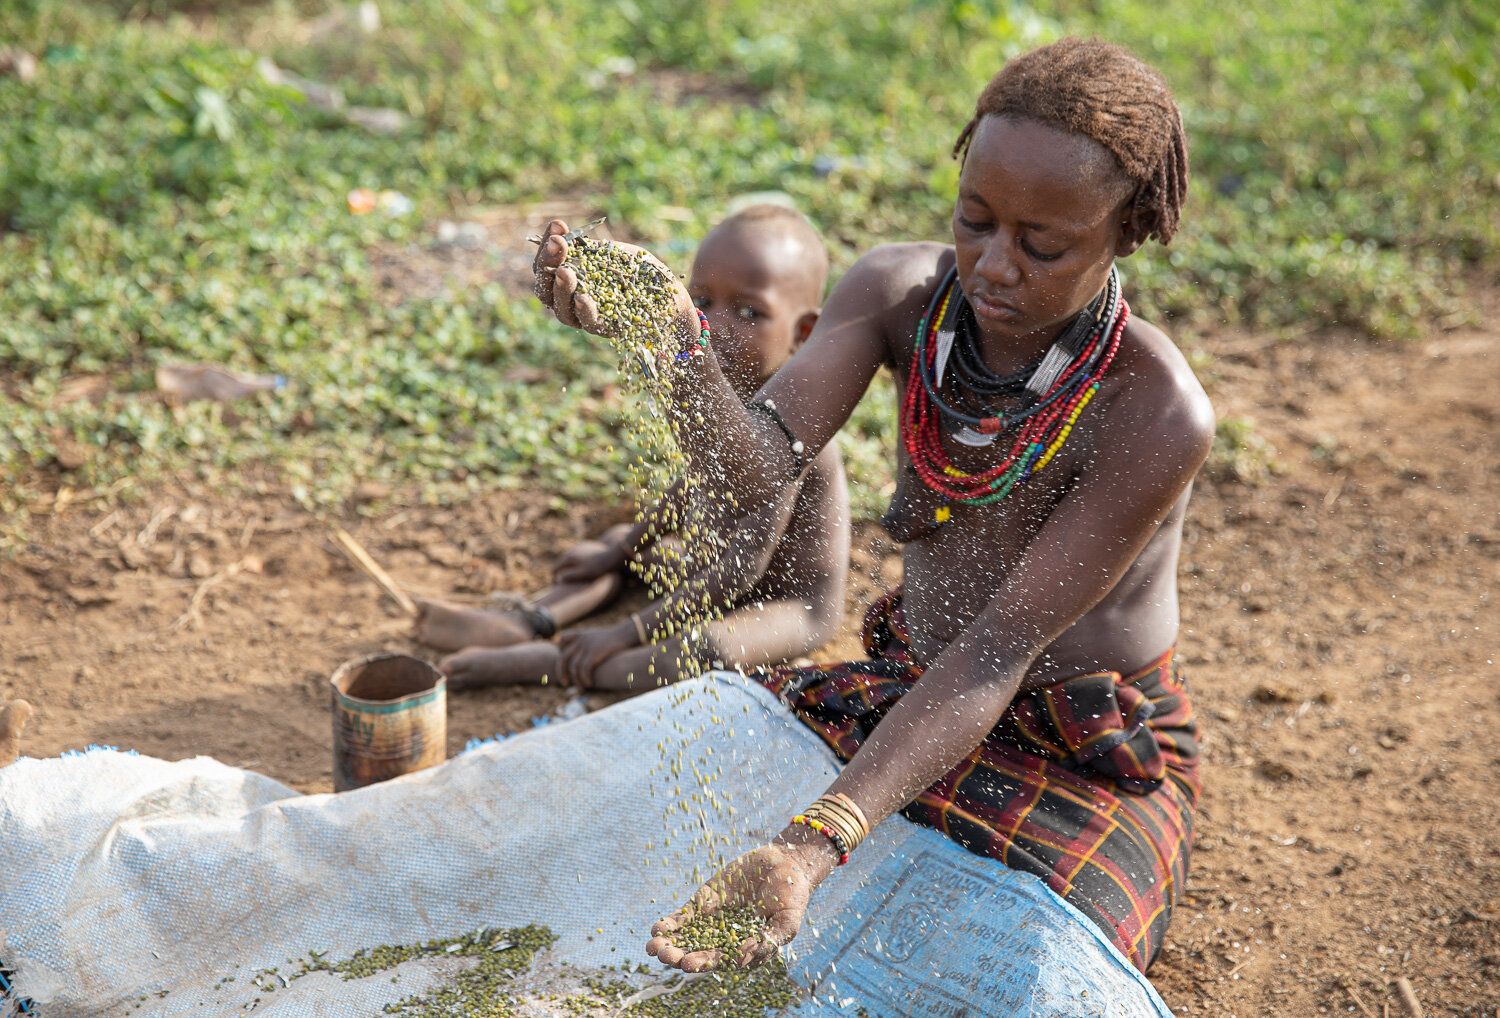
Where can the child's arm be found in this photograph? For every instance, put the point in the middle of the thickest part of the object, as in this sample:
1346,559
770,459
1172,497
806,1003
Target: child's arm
1084,547
658,520
744,452
733,573
588,562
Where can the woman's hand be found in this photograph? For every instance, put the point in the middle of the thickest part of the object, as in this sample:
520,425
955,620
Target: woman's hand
775,881
556,284
587,561
583,650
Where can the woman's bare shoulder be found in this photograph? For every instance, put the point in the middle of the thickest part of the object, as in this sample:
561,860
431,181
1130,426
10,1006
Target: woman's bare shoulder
1152,378
896,269
885,292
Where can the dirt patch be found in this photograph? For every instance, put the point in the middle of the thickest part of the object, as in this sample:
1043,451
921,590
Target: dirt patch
479,246
673,85
1339,634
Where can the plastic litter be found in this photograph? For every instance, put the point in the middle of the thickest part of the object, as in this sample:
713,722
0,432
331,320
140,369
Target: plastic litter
206,381
13,717
14,60
467,235
825,165
394,203
363,201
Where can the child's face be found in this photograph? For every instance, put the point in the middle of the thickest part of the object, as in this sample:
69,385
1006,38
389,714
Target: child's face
1037,226
740,282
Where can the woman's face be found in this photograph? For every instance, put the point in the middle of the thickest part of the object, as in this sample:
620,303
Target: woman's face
1039,221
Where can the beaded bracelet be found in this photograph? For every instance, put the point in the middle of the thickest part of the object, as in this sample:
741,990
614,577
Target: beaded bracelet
703,337
842,815
828,832
799,451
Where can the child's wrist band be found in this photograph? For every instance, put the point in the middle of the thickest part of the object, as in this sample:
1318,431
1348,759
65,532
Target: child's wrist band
840,819
840,813
543,623
640,628
855,813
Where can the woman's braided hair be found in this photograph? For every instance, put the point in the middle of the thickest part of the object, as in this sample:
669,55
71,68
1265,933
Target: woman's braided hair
1099,90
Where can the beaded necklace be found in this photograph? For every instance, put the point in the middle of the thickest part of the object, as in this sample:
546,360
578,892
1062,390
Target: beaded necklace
1053,393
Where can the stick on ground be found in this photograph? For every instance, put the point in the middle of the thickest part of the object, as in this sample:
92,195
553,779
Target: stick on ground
1409,997
12,719
1349,989
361,558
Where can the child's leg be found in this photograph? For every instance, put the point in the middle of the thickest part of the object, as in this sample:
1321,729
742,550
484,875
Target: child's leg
569,602
451,627
522,664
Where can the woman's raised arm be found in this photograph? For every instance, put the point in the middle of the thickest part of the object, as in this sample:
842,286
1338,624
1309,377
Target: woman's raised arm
745,452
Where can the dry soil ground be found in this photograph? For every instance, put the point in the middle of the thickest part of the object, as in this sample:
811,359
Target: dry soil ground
1339,632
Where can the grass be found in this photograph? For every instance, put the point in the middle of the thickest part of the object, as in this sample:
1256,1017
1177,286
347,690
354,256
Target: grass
160,202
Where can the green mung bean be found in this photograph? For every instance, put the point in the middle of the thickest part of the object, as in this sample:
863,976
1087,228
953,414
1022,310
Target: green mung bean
724,930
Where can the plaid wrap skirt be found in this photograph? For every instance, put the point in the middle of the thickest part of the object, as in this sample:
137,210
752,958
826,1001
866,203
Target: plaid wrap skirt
1090,784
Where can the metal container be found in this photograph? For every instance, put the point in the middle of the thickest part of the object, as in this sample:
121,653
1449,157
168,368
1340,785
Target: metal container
390,717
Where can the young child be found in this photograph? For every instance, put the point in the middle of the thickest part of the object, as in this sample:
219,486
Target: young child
758,277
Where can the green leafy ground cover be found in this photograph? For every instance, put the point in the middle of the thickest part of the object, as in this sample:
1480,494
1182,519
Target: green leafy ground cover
159,202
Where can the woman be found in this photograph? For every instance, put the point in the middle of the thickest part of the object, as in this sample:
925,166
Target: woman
1022,696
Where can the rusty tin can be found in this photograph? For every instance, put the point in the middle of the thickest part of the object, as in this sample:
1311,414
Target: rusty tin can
390,717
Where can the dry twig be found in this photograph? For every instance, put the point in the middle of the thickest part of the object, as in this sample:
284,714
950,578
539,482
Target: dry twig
247,564
1409,998
361,558
104,524
146,536
1358,1002
1334,493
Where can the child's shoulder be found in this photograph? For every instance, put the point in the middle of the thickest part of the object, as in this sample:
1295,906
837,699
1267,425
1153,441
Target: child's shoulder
824,481
889,289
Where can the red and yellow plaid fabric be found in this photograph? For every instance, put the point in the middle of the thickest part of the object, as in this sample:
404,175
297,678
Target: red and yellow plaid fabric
1089,784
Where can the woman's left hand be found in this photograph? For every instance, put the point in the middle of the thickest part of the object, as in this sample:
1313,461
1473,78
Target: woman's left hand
556,284
775,882
581,651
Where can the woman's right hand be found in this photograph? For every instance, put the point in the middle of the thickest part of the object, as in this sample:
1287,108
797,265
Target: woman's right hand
556,284
775,881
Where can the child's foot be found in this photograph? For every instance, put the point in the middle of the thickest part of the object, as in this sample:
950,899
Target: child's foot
13,717
449,627
502,666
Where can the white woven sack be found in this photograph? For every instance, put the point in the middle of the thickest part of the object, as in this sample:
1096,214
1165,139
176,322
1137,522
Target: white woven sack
129,883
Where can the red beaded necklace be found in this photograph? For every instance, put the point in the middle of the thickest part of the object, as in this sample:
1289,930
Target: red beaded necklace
1044,423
